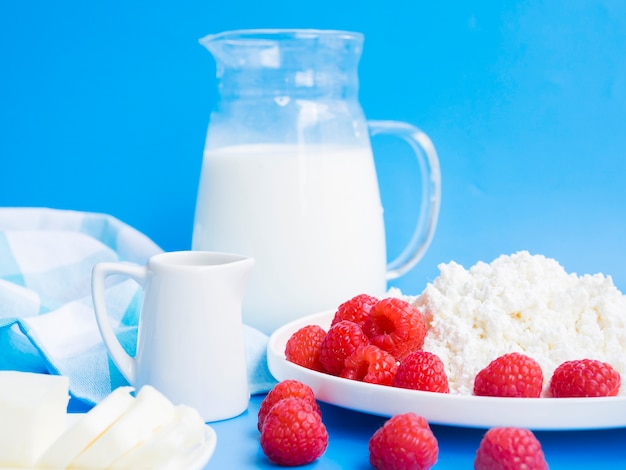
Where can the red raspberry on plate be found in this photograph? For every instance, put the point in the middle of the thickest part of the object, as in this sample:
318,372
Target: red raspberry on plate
422,370
356,309
509,449
585,378
395,326
370,364
293,433
405,441
342,339
286,389
303,347
510,375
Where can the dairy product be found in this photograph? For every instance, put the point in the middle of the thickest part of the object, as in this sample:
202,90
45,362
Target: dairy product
525,303
310,216
169,445
122,431
87,429
32,415
148,412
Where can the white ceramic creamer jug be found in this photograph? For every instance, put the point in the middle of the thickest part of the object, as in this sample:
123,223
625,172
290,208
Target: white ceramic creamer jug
288,175
190,343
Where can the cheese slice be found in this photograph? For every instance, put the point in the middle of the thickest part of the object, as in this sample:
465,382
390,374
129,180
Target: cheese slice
149,411
87,429
172,442
33,411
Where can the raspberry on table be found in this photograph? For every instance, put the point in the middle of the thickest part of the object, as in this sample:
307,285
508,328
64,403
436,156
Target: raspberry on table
286,389
422,370
405,441
356,309
395,326
293,433
303,347
342,339
585,378
509,448
510,375
369,363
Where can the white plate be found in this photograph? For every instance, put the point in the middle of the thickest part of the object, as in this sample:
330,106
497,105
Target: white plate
439,408
200,456
198,459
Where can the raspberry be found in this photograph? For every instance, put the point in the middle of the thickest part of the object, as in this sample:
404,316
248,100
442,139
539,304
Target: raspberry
342,339
303,347
282,390
509,449
510,375
395,326
404,442
356,309
293,433
585,378
370,364
422,370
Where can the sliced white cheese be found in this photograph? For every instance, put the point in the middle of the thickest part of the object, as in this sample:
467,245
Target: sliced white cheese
170,443
33,411
149,411
87,429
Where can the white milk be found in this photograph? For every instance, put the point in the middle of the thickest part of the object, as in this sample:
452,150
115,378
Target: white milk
313,222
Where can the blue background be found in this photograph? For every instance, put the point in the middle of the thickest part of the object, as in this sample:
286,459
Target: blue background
104,107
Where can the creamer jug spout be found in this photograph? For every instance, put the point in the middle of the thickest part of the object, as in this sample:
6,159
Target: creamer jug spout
236,275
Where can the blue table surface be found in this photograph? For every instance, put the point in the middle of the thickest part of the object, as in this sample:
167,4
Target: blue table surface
349,432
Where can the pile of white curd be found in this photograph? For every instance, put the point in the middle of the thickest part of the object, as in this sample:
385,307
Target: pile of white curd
525,303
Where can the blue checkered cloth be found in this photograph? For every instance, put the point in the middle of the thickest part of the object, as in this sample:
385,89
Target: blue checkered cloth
47,322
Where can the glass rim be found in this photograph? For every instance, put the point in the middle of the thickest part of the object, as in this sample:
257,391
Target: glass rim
272,34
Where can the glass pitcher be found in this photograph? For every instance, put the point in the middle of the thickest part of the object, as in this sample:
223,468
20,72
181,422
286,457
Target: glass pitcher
288,175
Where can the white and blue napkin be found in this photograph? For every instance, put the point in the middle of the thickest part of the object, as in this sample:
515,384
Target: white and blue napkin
47,322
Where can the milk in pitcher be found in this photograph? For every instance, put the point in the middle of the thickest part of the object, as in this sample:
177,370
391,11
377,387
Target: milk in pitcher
296,211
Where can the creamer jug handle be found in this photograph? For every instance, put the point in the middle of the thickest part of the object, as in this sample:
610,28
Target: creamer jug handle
426,155
124,362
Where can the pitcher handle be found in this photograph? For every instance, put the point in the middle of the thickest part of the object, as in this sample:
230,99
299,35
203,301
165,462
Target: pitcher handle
431,192
124,362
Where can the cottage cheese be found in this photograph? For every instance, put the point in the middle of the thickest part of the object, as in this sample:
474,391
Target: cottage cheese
525,303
